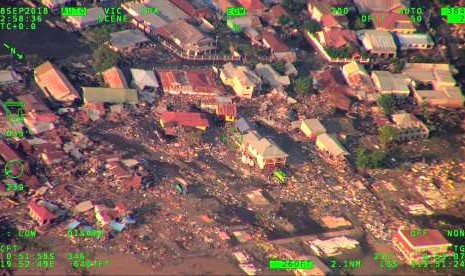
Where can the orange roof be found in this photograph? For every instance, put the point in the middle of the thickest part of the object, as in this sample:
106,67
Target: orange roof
338,38
114,78
190,119
202,81
329,21
48,76
43,213
275,43
252,5
391,21
228,109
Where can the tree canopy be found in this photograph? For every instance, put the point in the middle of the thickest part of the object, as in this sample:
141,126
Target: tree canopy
370,159
387,103
303,85
387,135
104,58
279,66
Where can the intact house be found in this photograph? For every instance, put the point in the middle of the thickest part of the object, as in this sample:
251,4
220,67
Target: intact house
109,95
222,106
434,84
40,213
312,128
409,127
114,78
339,39
414,41
392,22
391,84
167,12
320,11
186,38
414,245
54,84
330,145
197,82
378,43
264,151
91,19
143,79
171,121
270,76
127,40
243,81
279,49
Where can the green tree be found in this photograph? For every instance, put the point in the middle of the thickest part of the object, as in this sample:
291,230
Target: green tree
387,103
104,58
312,26
371,160
280,66
387,135
284,20
303,85
363,159
378,159
343,52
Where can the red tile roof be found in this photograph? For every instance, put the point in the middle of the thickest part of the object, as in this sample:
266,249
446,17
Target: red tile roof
391,21
190,119
430,238
329,21
114,78
43,118
338,38
196,81
275,43
227,110
49,76
41,212
252,5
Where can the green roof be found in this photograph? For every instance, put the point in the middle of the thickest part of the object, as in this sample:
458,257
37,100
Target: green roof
109,95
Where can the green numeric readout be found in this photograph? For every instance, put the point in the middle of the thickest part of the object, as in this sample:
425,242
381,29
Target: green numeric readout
290,264
454,15
73,11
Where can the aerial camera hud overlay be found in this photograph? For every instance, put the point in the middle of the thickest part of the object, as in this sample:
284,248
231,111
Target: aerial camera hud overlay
232,137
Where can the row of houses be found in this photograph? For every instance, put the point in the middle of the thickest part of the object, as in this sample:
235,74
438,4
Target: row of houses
197,82
443,90
393,31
